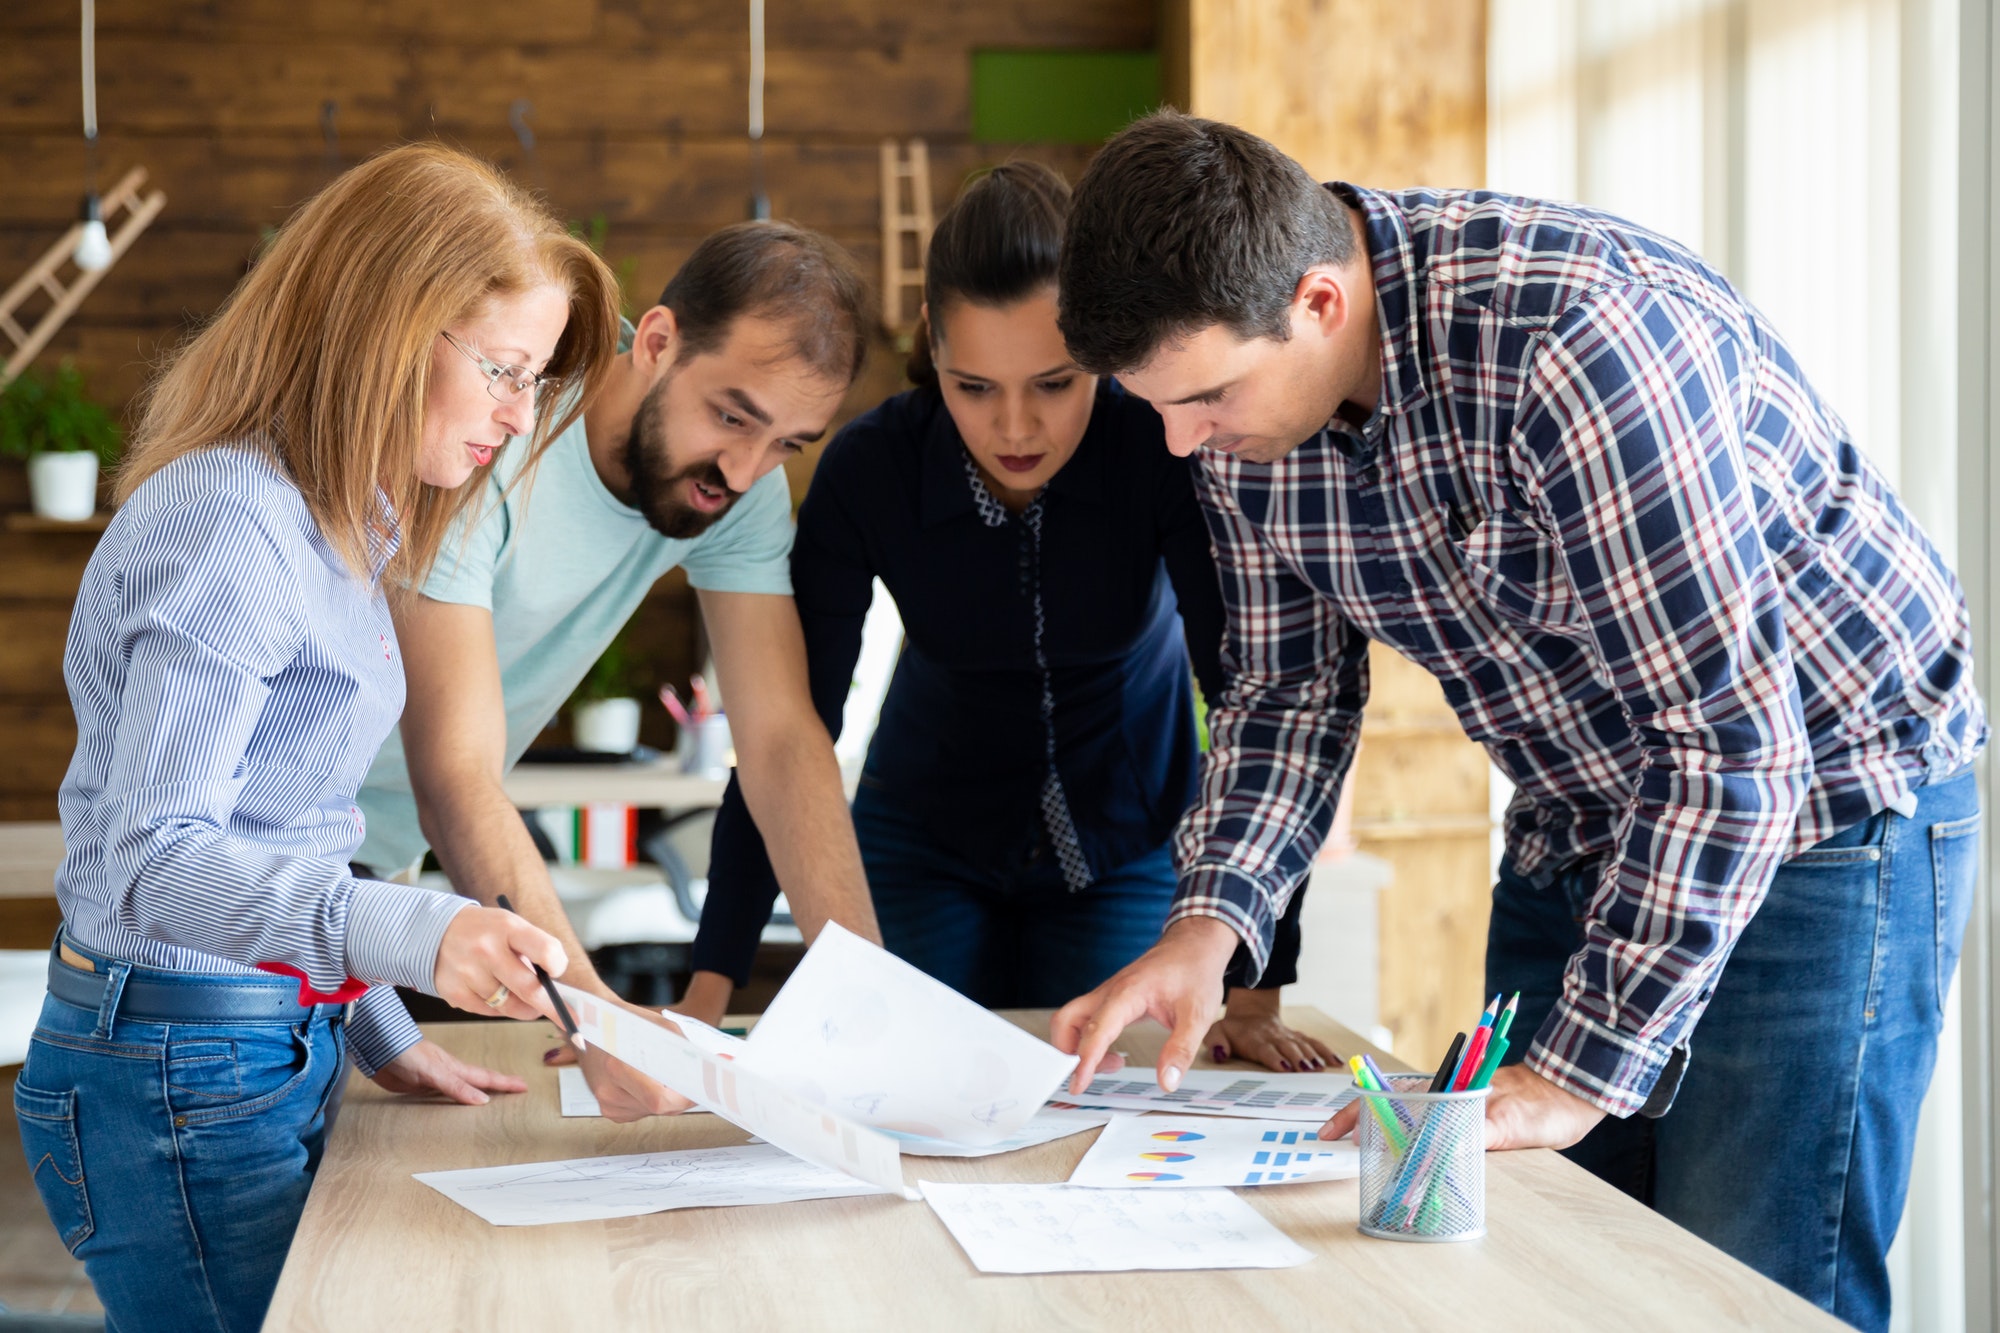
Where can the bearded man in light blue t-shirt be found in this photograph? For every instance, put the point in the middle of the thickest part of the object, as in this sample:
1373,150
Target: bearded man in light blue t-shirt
675,462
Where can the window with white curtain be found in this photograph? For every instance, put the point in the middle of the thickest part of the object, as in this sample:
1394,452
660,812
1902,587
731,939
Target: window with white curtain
1764,134
1807,149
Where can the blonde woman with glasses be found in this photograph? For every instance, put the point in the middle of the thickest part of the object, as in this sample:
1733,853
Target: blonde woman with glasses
234,668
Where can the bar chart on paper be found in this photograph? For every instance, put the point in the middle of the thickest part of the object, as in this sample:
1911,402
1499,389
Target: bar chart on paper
1303,1097
1154,1151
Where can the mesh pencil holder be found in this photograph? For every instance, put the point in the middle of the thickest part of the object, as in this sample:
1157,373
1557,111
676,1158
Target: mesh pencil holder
1425,1178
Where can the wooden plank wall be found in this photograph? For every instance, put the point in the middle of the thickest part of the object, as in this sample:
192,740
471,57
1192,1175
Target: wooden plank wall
638,108
1389,96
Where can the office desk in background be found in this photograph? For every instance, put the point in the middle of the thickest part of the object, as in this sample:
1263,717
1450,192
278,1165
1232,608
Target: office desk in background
658,785
378,1250
30,852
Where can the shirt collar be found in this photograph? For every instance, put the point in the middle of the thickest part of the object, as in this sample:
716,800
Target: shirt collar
1393,255
385,536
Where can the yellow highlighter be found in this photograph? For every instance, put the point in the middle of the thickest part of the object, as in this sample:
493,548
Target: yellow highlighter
1392,1129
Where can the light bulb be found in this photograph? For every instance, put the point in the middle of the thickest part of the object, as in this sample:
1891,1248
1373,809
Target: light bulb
93,247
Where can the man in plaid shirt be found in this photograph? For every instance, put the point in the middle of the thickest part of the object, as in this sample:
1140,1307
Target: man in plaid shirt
1558,461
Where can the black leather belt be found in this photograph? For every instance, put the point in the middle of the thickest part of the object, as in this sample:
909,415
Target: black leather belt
155,996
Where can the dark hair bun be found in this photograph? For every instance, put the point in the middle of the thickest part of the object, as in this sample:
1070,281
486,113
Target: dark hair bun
1000,240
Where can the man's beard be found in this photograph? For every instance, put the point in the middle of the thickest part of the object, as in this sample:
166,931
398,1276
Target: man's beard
656,491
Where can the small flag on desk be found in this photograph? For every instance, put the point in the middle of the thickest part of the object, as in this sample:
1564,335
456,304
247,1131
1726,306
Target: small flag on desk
607,836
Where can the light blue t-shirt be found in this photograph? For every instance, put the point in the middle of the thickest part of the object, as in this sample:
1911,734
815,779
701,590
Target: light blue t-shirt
562,565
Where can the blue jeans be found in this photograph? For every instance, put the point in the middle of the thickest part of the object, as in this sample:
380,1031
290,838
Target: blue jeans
1008,939
174,1159
1789,1143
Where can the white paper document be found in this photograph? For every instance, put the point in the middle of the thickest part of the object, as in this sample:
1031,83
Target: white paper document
1304,1097
577,1098
589,1188
1188,1152
740,1095
1044,1128
863,1033
1062,1229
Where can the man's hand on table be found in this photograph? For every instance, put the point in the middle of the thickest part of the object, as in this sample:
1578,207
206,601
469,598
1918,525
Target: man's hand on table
1252,1027
429,1069
1523,1110
1177,982
623,1093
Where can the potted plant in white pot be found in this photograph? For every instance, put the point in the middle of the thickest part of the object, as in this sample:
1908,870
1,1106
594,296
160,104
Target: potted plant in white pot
49,419
603,709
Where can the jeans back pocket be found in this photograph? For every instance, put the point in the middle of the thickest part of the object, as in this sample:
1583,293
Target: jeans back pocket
55,1160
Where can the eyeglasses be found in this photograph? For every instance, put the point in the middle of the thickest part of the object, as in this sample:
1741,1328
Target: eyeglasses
505,383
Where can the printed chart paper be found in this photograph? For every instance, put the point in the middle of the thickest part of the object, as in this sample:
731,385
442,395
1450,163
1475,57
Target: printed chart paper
863,1033
740,1095
1061,1229
1188,1152
589,1188
1304,1097
1046,1127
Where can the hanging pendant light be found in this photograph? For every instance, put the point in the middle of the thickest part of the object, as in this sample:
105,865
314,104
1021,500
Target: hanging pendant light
760,202
93,244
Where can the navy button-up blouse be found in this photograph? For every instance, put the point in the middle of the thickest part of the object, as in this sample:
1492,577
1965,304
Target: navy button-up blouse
961,743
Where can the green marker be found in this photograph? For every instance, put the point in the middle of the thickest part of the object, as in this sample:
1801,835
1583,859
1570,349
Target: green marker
1491,1063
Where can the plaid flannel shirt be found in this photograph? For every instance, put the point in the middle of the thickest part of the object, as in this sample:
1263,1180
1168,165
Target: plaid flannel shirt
1599,501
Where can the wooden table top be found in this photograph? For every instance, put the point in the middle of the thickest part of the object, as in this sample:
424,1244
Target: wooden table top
377,1250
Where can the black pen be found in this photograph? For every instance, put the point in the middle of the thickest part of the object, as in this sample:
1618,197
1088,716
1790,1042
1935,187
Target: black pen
549,985
1441,1080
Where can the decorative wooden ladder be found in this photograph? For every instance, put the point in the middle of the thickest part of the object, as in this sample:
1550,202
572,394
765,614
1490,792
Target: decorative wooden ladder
906,233
65,298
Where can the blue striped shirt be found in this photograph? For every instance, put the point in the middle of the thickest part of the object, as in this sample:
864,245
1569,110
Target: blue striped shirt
232,681
1598,500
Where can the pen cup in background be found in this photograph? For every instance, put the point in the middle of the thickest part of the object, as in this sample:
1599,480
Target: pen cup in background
1423,1162
704,748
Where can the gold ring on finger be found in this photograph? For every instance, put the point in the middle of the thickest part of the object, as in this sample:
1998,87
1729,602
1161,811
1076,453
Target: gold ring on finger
497,998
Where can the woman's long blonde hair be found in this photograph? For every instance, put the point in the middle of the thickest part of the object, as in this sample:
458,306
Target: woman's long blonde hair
322,354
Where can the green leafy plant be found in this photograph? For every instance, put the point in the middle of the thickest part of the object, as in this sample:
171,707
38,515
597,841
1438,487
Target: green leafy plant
619,673
52,411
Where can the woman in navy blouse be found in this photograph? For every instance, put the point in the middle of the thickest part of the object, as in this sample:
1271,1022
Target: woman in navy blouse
1052,569
234,668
